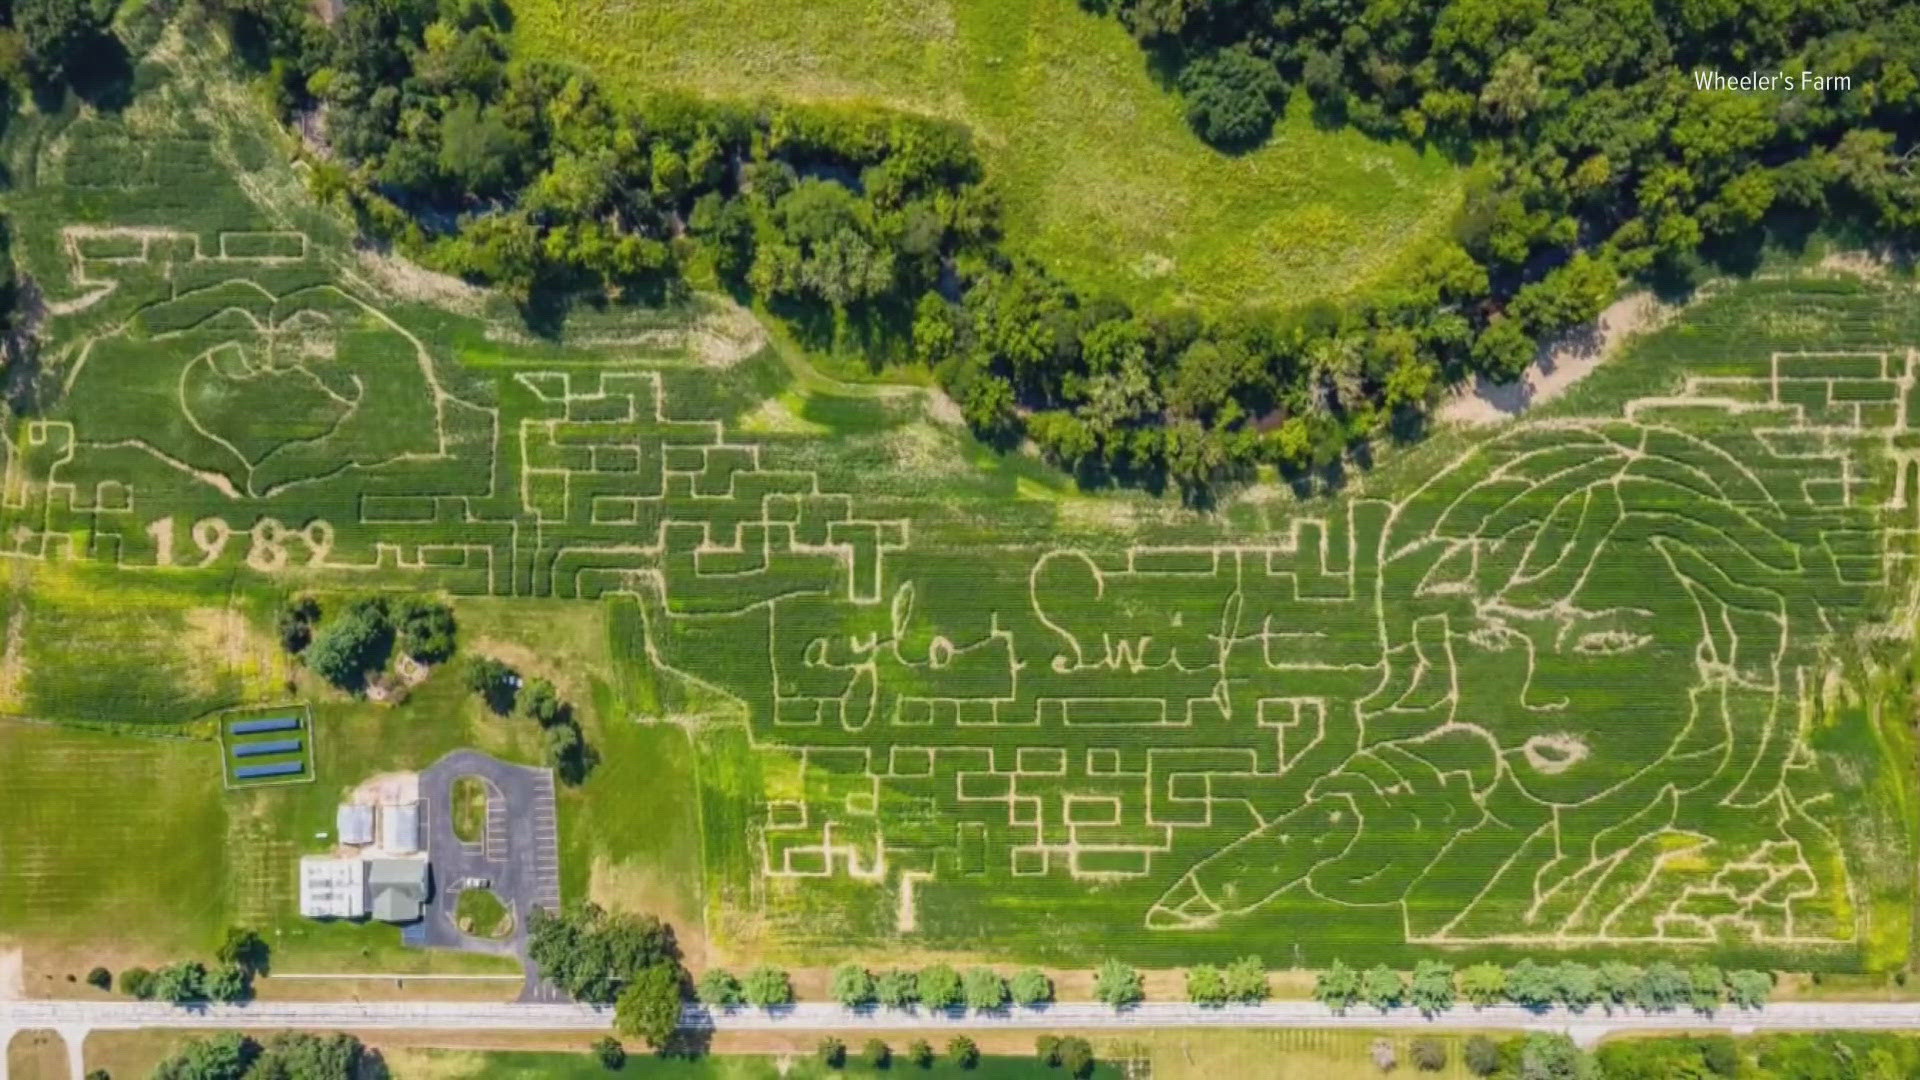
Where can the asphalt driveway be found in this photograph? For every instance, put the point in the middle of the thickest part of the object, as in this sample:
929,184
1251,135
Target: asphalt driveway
519,855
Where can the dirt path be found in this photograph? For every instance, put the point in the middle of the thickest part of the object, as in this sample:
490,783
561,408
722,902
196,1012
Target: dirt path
1564,364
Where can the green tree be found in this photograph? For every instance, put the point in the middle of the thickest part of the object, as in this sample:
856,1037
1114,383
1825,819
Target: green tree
350,645
496,683
1047,1049
832,1052
296,623
540,702
1576,984
1117,984
1617,981
568,753
877,1053
608,1051
1532,985
1432,989
1338,987
1662,987
479,151
1705,986
181,983
243,947
963,1052
1231,97
1246,980
1748,989
57,35
1383,987
939,987
1206,986
920,1053
897,989
768,988
1032,987
1483,984
719,988
298,1055
425,629
1075,1056
648,1007
137,982
590,952
229,984
225,1056
985,989
852,985
100,979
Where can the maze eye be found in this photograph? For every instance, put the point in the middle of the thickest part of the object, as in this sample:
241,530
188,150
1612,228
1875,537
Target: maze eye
1610,642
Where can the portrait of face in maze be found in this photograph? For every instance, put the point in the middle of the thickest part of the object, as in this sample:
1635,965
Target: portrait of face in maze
1595,634
265,390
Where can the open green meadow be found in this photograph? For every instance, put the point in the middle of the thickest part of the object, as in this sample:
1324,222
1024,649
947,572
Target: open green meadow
1623,676
1102,179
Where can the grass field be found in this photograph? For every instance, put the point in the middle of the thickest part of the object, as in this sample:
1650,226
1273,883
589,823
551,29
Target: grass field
1627,677
506,1065
37,1055
481,914
1102,178
469,809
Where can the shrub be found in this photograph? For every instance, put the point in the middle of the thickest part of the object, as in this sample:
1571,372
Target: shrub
296,623
832,1052
181,983
609,1053
920,1053
1075,1056
1747,989
137,982
963,1052
100,978
1047,1049
1482,1055
1231,96
1429,1054
1383,1055
878,1053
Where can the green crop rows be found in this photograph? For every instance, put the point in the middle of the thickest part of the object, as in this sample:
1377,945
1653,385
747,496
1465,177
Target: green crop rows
1572,686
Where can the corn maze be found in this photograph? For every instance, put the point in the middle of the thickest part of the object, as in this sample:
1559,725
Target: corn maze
1562,692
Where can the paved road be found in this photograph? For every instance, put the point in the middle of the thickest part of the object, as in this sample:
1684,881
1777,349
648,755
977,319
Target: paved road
519,854
520,1016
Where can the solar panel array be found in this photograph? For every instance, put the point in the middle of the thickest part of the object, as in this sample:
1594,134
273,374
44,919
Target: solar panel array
266,747
256,727
277,768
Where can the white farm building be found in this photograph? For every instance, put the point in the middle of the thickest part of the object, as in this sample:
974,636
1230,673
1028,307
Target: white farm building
333,888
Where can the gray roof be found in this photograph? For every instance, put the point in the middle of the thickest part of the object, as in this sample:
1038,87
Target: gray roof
398,888
355,824
395,905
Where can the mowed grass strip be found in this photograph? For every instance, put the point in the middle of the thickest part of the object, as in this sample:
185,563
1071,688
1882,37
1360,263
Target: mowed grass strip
1102,179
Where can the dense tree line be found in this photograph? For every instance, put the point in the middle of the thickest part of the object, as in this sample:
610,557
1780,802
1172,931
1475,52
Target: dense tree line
1434,986
505,692
628,961
287,1056
872,229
